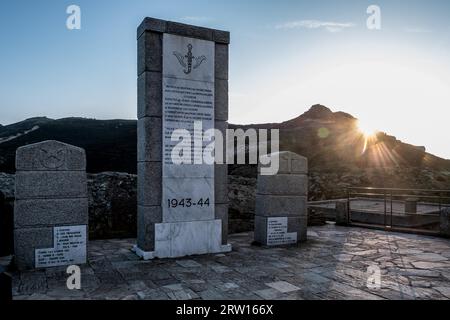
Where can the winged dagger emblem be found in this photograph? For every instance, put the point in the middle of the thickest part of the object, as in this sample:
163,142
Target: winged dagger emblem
189,61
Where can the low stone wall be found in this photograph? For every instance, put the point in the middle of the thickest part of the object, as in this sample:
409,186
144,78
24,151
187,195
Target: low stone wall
241,209
7,184
112,204
112,197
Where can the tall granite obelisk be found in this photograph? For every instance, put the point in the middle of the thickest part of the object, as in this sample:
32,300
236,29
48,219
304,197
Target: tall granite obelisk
182,90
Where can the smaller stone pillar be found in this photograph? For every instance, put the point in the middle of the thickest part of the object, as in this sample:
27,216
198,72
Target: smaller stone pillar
445,222
281,202
342,213
51,206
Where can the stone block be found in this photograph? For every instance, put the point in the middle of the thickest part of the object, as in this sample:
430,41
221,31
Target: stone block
147,217
299,225
149,94
342,213
221,61
186,30
50,184
50,155
221,212
161,26
46,212
221,100
149,53
289,163
150,142
149,183
221,36
280,206
283,184
25,243
152,25
221,183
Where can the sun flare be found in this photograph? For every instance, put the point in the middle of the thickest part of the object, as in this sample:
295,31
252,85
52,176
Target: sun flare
367,128
369,131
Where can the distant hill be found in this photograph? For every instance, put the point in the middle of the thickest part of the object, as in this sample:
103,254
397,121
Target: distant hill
110,144
330,140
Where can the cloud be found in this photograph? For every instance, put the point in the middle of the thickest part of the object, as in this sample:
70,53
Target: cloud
416,30
195,19
330,26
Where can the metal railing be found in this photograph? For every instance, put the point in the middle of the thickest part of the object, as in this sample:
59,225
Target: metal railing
438,198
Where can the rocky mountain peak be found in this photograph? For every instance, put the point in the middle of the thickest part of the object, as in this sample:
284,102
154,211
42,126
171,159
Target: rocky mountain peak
318,111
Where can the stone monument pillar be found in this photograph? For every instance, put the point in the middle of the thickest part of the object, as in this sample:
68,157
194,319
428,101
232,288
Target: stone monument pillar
182,84
51,206
281,202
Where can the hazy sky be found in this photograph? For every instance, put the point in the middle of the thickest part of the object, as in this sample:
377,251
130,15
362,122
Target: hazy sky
284,57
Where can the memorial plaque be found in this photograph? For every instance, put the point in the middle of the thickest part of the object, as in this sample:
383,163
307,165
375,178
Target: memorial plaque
188,104
277,232
69,248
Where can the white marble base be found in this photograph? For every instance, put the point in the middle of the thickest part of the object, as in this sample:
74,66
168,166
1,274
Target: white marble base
146,255
150,255
173,240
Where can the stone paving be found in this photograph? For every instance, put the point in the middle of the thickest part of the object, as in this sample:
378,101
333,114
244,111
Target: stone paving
331,265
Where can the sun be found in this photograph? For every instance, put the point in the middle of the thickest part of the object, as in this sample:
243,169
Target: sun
367,128
369,131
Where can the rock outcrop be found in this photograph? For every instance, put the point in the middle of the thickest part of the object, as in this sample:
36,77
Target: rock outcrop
112,205
7,184
241,210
